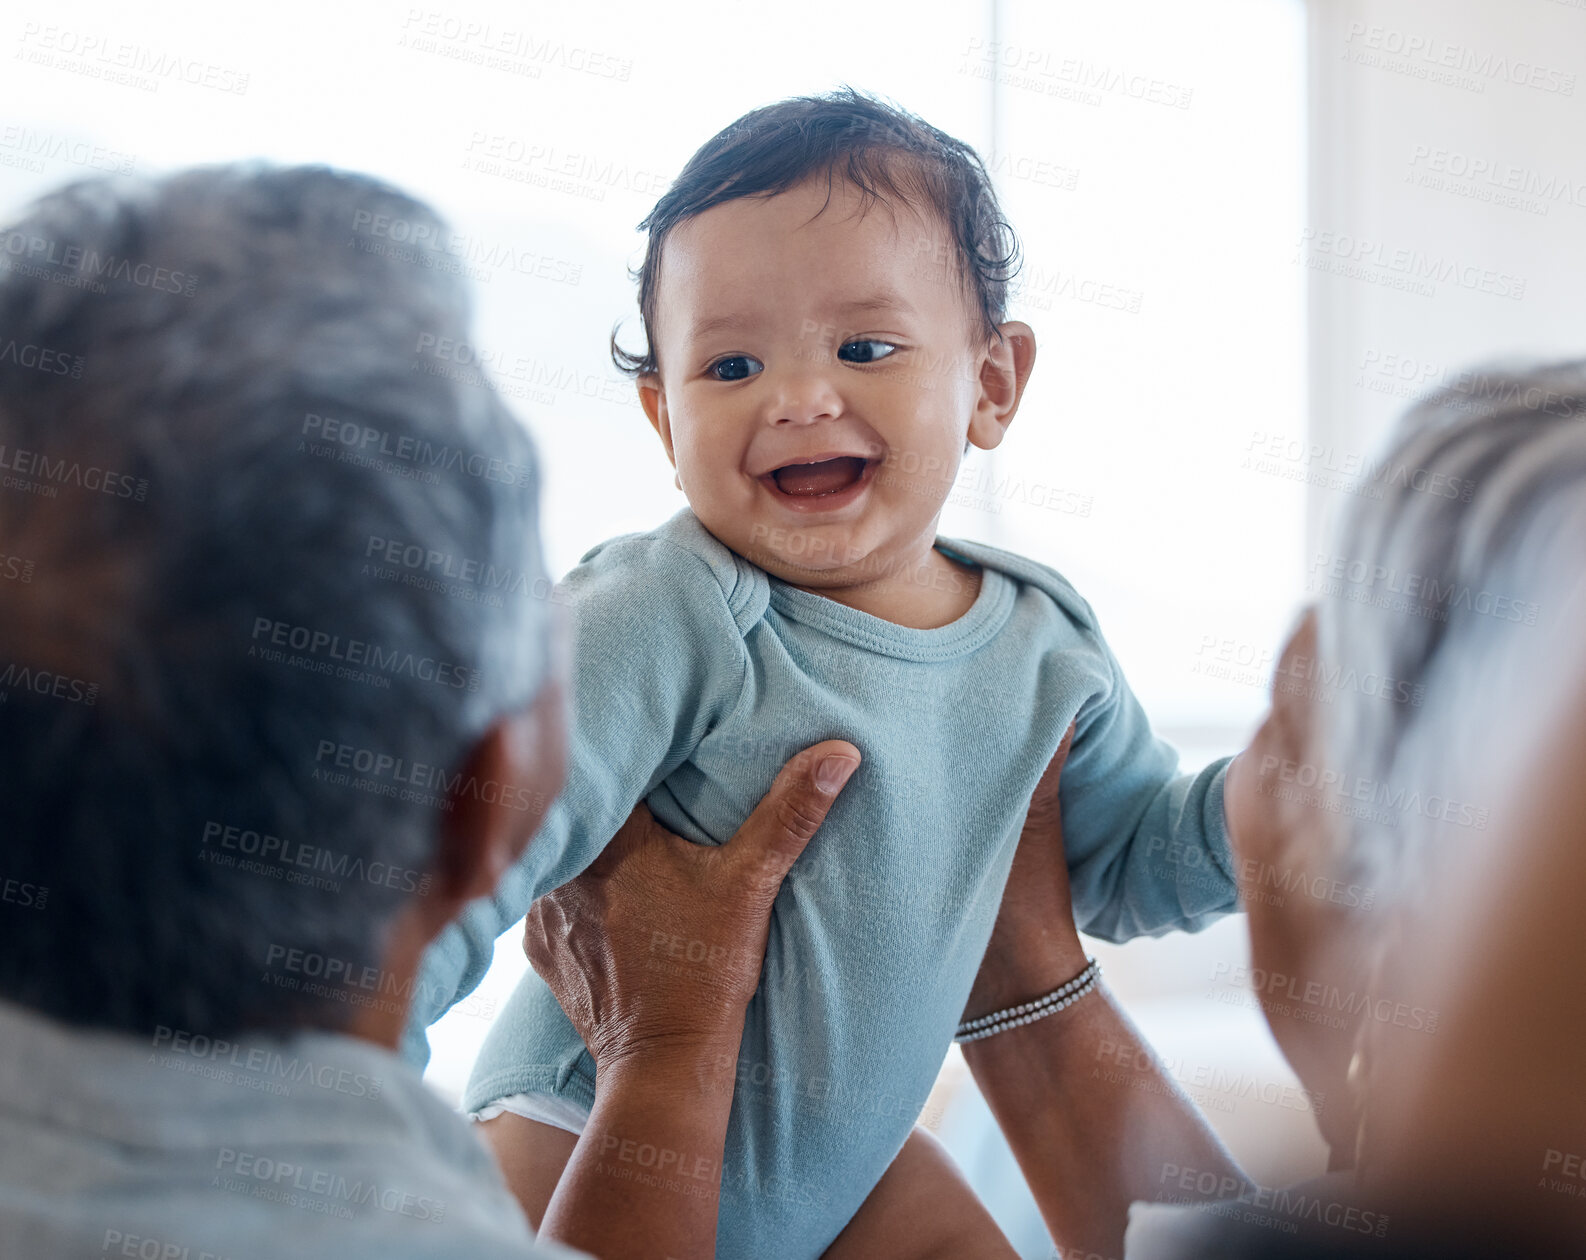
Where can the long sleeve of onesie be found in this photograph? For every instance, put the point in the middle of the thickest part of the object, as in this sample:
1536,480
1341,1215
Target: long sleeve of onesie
658,660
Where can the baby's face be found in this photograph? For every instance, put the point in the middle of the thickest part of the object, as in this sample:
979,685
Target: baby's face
819,372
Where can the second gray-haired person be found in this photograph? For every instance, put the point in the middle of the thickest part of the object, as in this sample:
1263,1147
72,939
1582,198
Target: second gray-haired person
1460,581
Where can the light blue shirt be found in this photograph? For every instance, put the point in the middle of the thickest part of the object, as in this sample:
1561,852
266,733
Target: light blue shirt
313,1147
696,676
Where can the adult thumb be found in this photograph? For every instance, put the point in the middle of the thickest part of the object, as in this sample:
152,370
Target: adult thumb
774,835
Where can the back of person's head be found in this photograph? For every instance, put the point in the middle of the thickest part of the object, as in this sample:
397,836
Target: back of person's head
1474,591
271,567
1453,578
890,155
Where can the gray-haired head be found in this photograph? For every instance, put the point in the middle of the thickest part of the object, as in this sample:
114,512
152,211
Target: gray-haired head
270,569
1459,583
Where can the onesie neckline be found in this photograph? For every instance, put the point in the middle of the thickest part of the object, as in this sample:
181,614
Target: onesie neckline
976,627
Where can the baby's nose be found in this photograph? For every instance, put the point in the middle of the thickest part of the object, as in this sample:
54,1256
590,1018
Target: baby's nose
804,396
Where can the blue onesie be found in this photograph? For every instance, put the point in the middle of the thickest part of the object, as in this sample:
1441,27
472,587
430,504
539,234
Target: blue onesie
696,675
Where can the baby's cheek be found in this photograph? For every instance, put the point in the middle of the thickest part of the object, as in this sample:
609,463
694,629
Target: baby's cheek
714,488
913,484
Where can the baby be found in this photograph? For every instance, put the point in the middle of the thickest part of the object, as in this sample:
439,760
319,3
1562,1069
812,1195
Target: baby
824,305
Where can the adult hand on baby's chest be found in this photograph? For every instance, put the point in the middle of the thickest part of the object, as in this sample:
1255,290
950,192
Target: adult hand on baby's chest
657,948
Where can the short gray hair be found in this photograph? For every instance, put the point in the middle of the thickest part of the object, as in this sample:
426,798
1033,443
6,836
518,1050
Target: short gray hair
1459,580
274,568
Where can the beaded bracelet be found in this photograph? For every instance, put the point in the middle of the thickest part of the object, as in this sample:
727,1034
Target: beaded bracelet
1064,995
1092,968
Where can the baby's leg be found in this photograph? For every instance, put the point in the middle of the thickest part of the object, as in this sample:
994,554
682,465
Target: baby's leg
922,1209
532,1156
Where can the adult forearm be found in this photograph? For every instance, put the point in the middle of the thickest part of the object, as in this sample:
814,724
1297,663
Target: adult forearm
1094,1120
645,1177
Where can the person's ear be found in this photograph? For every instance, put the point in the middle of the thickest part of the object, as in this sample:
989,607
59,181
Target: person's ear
1005,368
498,801
652,397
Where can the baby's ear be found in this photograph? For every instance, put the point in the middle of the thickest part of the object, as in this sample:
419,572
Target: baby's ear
653,399
1005,367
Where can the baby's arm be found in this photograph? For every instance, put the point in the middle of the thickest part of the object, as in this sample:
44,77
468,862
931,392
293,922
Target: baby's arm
921,1209
1147,846
656,659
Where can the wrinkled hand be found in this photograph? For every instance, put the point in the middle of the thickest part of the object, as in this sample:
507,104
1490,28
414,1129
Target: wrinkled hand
1282,832
659,944
1267,825
1034,946
1283,837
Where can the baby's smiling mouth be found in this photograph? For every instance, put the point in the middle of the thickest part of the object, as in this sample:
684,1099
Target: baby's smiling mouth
827,476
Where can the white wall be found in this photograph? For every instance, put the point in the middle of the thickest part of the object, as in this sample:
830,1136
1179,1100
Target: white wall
1447,137
1170,322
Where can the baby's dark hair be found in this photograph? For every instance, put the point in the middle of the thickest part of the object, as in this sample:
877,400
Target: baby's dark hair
882,150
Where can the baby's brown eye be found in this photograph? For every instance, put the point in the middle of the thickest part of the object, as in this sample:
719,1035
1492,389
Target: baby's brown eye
864,351
735,367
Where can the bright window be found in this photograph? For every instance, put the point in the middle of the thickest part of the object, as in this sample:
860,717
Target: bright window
1149,154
